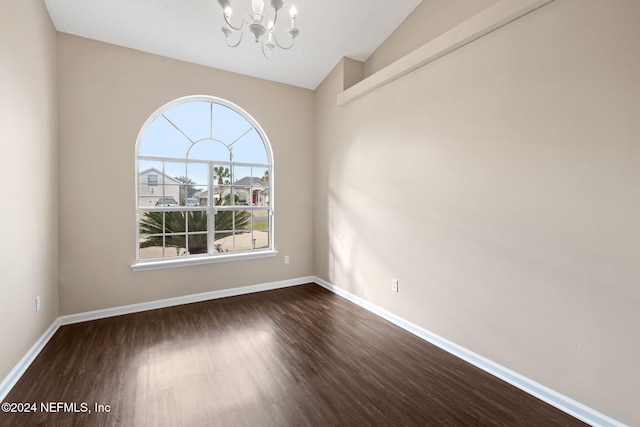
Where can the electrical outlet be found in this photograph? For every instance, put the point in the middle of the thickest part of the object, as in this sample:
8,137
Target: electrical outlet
286,259
394,285
37,304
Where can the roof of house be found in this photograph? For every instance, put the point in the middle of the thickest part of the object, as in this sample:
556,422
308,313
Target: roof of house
251,181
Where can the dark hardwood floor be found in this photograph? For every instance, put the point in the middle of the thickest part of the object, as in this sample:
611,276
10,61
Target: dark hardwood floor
299,356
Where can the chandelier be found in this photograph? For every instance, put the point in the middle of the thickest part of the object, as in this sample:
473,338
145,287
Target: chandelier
256,24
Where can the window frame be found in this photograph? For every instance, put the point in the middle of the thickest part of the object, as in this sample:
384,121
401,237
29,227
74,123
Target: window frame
211,207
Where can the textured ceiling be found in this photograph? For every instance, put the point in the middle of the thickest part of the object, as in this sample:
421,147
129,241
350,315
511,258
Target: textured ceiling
189,30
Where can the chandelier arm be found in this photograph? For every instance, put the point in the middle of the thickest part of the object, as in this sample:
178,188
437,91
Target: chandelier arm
275,39
266,53
226,19
239,40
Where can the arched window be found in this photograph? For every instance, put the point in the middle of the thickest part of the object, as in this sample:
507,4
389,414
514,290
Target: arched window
204,172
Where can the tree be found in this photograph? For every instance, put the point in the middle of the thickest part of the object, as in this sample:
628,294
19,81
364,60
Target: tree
265,177
176,222
221,172
191,189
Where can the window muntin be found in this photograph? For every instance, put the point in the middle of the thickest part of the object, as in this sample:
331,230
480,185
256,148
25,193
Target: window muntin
212,194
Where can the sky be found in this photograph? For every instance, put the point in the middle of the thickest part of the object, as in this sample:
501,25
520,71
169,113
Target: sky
202,131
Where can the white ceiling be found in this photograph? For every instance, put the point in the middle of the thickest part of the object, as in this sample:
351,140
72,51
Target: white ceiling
190,30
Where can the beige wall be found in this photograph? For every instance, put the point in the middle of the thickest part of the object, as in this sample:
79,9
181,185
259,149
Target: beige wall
28,178
429,20
499,184
106,94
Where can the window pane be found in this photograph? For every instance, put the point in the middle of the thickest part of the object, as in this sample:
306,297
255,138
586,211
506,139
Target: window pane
169,197
223,221
260,220
224,242
145,165
175,222
202,197
243,196
209,150
242,185
175,245
148,183
149,252
262,186
163,140
197,221
243,241
228,125
260,196
261,239
262,174
250,149
174,172
242,220
190,195
197,173
221,183
241,173
198,244
151,224
150,231
192,118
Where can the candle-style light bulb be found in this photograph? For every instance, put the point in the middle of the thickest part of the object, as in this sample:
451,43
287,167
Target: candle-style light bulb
270,31
293,12
257,6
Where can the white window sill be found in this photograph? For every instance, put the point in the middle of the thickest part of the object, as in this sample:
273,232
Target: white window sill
183,262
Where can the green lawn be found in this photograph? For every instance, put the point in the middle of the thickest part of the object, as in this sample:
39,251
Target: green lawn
262,225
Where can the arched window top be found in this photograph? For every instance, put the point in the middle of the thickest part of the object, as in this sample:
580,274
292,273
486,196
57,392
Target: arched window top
204,128
204,172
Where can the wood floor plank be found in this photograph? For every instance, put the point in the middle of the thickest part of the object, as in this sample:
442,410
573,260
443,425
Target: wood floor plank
298,356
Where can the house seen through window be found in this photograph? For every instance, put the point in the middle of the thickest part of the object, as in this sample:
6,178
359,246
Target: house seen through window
204,170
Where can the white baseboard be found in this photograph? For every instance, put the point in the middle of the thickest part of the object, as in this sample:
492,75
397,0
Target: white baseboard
553,398
12,378
187,299
564,403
